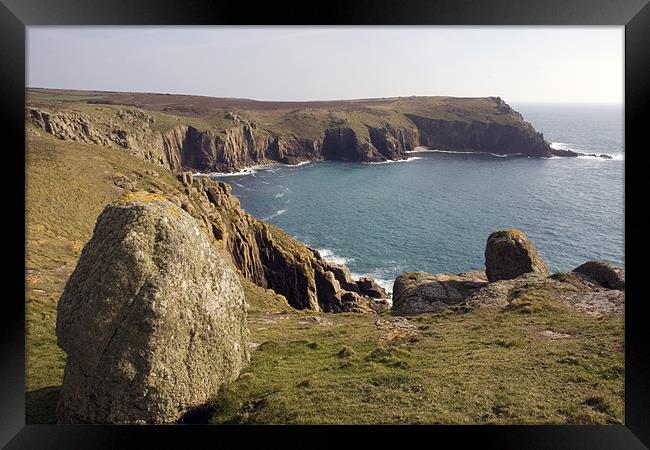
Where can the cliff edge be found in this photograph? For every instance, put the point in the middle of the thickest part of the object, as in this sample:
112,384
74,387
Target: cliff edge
207,134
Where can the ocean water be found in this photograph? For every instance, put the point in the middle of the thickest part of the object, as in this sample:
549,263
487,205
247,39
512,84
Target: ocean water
434,212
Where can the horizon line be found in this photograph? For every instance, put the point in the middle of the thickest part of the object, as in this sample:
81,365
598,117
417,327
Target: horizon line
598,102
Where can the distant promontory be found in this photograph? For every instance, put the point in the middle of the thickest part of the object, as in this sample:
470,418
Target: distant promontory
206,134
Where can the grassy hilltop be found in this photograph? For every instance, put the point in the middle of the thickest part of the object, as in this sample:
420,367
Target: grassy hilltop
220,134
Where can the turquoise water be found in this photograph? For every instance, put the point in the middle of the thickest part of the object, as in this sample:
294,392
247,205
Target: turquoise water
435,211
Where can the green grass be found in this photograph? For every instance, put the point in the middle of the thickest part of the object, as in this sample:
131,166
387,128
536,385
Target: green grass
483,366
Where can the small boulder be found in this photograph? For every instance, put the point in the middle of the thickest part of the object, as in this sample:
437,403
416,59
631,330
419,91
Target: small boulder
122,181
186,178
369,287
153,318
604,273
509,253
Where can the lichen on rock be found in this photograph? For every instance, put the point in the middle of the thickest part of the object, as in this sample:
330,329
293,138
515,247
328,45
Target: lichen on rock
153,318
420,292
509,253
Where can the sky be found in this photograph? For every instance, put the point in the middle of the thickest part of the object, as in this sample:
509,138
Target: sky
519,64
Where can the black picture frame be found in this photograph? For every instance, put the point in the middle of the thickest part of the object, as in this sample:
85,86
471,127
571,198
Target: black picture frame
15,15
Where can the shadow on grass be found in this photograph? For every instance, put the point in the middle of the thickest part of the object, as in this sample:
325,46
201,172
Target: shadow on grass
40,405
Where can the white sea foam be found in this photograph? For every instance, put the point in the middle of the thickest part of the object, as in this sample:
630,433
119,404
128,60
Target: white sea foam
421,150
329,256
615,157
431,150
281,193
562,146
277,213
303,163
618,156
391,161
252,170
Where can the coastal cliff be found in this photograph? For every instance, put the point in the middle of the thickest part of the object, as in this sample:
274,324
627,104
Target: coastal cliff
219,135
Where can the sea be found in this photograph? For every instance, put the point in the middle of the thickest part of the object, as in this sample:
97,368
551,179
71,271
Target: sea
434,211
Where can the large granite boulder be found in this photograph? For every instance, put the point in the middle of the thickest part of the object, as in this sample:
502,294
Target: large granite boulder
604,273
153,319
509,253
420,292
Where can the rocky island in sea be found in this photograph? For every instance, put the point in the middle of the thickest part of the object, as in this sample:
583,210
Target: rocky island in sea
153,297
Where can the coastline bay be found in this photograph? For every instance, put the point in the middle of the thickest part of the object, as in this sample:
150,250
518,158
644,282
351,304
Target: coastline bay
433,211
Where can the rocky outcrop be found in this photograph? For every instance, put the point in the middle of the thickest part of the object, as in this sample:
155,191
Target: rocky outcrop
516,279
420,292
509,253
604,273
153,318
533,292
371,288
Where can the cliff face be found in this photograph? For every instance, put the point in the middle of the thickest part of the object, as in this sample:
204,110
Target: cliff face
480,137
242,146
269,257
357,132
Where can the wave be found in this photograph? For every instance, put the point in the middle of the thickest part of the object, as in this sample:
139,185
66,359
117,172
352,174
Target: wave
303,163
391,161
562,146
421,150
252,170
616,156
277,213
498,155
281,193
329,256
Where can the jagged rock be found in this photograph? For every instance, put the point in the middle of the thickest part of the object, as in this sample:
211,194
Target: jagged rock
509,253
153,319
186,178
353,302
419,292
343,276
603,273
368,286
